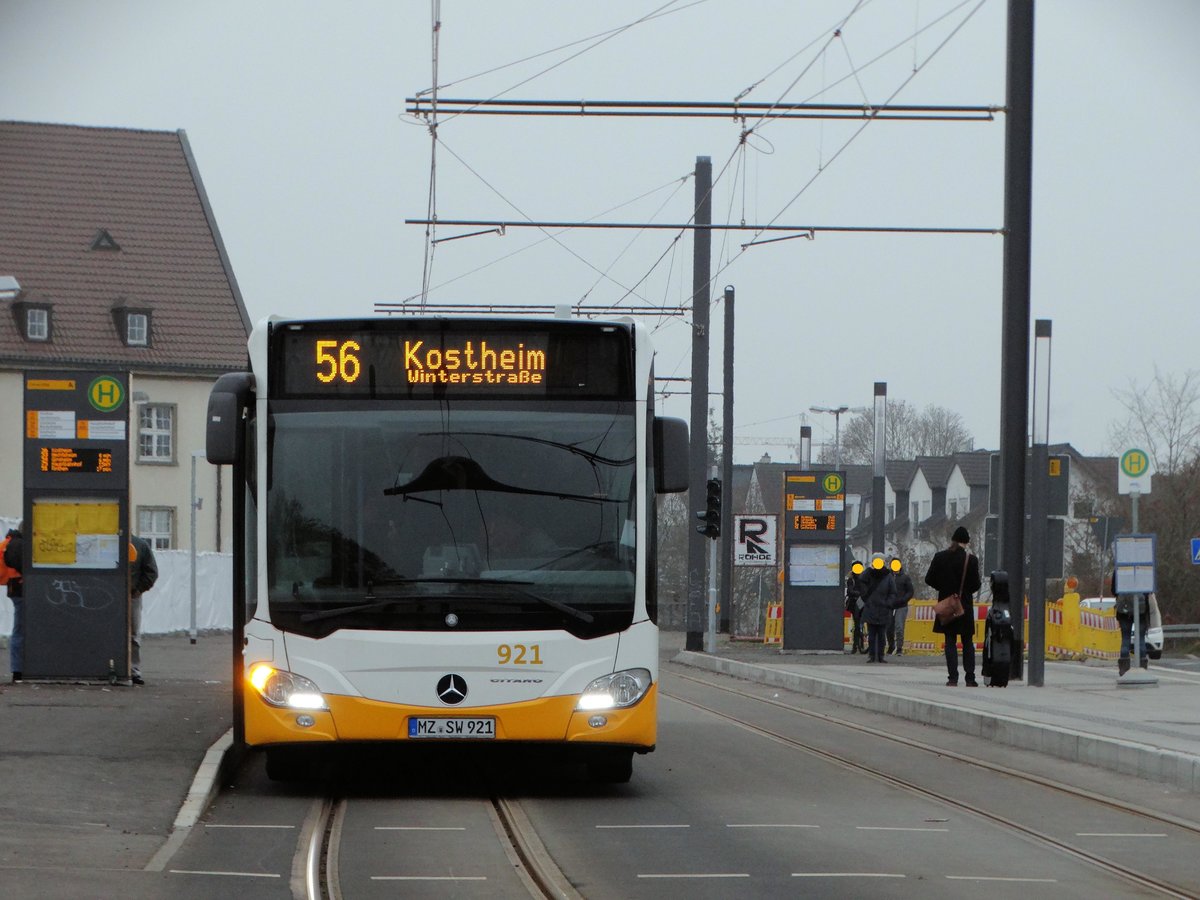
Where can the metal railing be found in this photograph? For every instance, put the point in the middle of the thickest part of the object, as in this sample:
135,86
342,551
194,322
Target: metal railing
1181,631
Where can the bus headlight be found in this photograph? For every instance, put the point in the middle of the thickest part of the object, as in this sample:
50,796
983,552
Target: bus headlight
286,689
615,691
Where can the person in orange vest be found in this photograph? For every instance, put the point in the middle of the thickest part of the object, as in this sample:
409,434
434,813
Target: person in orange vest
143,572
14,548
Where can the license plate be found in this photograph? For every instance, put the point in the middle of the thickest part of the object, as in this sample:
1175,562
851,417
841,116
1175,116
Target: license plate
483,728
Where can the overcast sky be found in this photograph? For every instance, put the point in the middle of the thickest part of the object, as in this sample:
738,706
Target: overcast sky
296,113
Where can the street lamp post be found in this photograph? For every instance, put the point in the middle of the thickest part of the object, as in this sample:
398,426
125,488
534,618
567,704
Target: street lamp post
836,412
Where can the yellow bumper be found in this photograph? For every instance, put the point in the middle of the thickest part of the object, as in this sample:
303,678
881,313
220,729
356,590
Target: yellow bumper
549,720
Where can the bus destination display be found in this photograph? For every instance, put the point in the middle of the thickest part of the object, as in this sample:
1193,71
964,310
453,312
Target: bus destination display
401,360
76,459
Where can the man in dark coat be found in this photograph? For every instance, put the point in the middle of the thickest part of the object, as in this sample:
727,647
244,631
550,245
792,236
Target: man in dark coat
143,573
949,569
879,599
904,593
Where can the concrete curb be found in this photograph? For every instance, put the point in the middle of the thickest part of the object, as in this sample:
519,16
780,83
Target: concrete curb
205,784
1181,770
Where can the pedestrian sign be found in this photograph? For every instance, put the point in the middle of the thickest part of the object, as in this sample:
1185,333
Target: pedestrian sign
1196,551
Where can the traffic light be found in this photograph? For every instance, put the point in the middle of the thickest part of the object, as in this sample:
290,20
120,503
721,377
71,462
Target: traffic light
711,514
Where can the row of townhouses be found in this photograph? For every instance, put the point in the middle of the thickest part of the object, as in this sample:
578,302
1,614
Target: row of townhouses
926,498
110,259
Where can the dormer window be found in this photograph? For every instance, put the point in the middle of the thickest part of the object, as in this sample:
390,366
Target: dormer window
37,323
132,324
137,329
34,320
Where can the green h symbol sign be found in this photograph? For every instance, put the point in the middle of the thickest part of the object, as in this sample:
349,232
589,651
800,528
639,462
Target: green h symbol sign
106,393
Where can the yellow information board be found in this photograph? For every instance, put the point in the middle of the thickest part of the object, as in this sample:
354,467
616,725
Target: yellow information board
81,534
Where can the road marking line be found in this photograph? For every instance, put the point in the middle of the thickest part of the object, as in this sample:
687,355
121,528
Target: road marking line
234,874
896,828
420,828
1117,834
429,878
770,825
848,875
1001,878
698,875
643,826
214,825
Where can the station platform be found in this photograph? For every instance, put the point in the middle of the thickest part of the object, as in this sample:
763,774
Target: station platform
1081,713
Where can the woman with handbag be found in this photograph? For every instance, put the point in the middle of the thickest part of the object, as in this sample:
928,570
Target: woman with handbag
955,571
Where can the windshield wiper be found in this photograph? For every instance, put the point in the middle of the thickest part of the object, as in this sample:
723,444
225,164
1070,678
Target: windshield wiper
461,473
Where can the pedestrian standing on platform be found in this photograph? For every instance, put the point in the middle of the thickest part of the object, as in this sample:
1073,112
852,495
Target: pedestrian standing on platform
956,571
14,548
879,599
904,593
854,605
1124,612
143,572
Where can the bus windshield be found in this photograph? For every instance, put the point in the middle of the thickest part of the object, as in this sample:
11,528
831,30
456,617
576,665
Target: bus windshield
470,516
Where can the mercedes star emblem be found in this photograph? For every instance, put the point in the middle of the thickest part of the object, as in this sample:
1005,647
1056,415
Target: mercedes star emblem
452,689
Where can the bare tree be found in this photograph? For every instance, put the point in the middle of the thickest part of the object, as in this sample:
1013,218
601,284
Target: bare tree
1164,419
934,431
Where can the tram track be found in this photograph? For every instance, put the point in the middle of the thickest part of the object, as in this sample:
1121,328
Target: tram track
1123,872
316,868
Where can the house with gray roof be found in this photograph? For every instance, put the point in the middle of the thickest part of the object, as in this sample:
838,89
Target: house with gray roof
110,258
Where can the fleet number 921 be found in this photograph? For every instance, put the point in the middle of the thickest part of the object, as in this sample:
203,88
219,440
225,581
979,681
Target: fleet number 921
519,655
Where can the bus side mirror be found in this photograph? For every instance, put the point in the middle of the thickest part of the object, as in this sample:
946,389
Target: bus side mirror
671,450
225,428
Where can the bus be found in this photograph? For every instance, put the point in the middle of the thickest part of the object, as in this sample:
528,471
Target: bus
446,535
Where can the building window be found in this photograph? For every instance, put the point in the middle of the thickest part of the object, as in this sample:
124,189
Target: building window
156,433
156,526
916,512
891,512
137,329
954,509
37,323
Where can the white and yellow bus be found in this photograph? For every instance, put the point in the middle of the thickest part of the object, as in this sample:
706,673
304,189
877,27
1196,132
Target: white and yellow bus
447,534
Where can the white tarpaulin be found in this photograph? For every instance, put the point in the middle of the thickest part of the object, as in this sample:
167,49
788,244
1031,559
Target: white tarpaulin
167,607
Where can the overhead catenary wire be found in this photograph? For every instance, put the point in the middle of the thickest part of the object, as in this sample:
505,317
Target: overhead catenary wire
766,112
658,14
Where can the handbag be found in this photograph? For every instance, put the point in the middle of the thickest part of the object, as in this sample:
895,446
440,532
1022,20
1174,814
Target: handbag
950,607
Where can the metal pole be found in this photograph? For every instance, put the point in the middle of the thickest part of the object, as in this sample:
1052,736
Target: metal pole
1137,634
1039,460
805,448
1014,329
877,488
698,456
192,630
837,440
726,540
710,633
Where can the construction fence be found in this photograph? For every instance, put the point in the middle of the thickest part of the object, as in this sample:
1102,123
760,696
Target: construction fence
1072,632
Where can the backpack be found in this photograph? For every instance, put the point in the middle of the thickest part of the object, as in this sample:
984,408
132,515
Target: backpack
7,572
